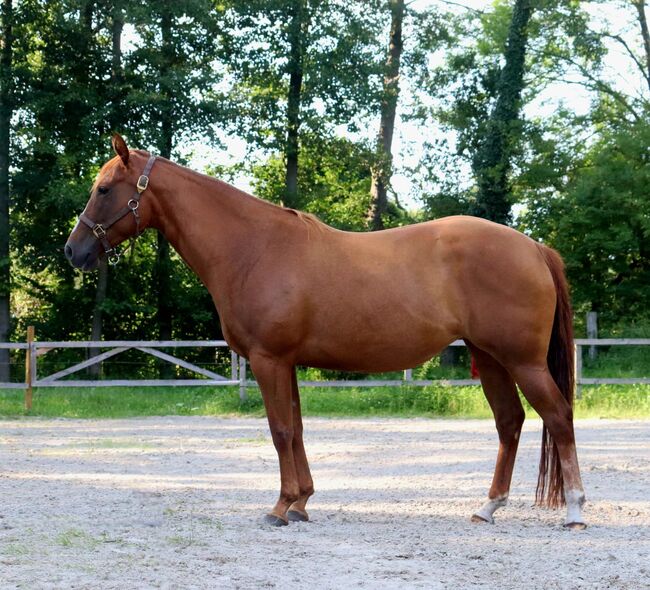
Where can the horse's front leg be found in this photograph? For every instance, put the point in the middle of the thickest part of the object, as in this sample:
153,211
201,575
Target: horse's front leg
298,511
275,380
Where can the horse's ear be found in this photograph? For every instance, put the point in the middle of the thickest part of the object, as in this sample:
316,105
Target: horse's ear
121,149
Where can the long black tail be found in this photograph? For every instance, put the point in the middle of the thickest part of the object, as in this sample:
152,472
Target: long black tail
561,363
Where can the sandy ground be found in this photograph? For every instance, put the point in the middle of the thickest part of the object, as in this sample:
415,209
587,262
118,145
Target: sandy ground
177,503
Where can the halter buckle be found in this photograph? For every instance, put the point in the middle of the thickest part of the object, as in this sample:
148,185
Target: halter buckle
143,183
99,231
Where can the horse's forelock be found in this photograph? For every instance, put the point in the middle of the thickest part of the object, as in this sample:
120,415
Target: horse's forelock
107,172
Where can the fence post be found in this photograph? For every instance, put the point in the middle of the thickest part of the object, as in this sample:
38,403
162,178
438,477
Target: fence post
242,379
234,365
408,375
29,357
592,332
578,366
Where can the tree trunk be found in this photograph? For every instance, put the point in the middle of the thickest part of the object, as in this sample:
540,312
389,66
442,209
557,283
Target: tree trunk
97,328
381,171
645,35
6,109
102,276
117,113
492,161
162,267
297,31
162,272
162,276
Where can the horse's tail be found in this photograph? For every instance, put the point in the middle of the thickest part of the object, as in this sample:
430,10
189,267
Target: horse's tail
561,364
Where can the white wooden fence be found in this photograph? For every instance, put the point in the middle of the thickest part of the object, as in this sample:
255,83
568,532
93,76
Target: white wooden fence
237,374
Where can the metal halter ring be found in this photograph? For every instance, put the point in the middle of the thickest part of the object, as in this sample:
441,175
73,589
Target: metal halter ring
133,204
113,257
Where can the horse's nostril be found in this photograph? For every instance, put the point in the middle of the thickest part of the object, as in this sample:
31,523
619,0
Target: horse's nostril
68,251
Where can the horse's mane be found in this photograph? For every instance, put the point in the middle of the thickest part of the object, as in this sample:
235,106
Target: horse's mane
307,218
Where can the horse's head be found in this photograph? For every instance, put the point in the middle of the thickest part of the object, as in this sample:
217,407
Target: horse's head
113,212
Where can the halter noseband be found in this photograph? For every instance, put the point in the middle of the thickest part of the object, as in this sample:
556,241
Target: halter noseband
99,229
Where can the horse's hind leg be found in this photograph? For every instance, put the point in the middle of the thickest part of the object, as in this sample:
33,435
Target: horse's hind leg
501,393
297,511
540,389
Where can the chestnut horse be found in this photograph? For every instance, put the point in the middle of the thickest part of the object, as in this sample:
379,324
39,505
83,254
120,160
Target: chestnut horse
291,290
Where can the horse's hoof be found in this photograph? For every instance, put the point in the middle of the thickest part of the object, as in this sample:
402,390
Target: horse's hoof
575,526
274,520
297,516
481,520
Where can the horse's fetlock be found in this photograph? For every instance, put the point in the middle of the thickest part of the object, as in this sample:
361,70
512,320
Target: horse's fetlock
307,491
289,496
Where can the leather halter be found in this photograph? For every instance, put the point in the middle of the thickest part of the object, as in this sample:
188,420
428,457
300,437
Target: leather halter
99,229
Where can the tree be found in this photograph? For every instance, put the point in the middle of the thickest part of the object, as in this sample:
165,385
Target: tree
381,171
473,101
491,162
6,110
60,73
586,179
334,182
600,225
298,30
116,120
645,36
584,67
173,62
299,70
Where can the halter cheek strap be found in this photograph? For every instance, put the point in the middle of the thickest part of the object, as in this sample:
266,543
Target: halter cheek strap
99,229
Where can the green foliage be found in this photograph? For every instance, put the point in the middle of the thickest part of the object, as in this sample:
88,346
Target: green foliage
614,401
341,66
601,226
170,74
333,181
583,179
72,98
463,91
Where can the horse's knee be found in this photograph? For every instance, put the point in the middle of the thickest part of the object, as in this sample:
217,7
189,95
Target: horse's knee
282,437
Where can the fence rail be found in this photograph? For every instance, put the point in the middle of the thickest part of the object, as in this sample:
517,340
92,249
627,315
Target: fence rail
36,349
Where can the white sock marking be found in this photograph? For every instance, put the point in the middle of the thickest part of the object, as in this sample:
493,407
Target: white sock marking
574,501
490,507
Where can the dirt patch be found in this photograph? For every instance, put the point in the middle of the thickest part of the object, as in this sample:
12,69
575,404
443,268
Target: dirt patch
177,503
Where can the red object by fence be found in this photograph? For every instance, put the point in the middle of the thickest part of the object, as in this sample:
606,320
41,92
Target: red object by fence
474,369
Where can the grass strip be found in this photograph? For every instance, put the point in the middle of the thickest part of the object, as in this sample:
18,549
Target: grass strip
605,401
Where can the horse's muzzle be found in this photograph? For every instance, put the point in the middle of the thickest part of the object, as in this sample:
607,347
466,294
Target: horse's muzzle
84,259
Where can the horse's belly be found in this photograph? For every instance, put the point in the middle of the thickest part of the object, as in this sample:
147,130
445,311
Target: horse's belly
374,350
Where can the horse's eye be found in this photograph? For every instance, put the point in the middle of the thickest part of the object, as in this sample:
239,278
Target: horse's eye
102,190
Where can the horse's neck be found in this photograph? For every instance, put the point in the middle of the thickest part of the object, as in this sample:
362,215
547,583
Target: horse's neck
215,228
